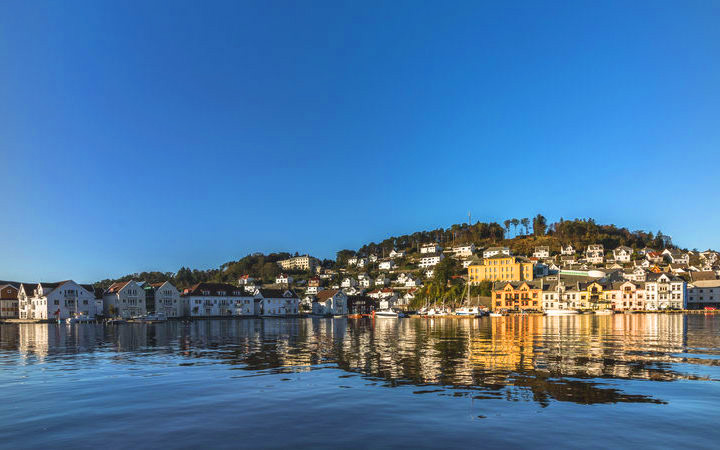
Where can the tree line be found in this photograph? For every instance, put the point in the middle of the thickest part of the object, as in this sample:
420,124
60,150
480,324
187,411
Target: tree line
533,232
526,234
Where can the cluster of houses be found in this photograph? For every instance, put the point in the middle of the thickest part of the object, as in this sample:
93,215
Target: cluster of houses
571,292
130,299
621,279
591,278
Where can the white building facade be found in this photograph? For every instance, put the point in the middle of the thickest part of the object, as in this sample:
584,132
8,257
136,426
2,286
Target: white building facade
218,300
278,302
167,300
330,302
44,301
664,291
124,299
430,260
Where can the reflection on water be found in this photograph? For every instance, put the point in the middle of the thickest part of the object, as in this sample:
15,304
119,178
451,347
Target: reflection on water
519,358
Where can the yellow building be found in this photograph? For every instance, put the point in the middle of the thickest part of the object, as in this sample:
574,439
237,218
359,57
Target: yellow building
500,268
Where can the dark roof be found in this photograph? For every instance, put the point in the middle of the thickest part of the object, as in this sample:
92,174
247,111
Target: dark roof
278,293
57,284
652,276
29,287
214,289
15,284
703,275
501,256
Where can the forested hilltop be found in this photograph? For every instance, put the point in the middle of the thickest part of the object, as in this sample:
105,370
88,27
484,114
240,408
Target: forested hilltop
259,266
520,235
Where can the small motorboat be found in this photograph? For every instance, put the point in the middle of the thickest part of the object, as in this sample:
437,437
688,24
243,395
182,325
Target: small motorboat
560,312
78,319
115,321
157,317
468,311
603,312
496,314
388,313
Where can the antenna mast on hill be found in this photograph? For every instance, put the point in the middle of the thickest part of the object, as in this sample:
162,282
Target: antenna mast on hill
469,218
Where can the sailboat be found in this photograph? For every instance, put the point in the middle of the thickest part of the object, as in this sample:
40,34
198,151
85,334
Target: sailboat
466,309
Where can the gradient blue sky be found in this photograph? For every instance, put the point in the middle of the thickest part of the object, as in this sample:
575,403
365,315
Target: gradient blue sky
150,135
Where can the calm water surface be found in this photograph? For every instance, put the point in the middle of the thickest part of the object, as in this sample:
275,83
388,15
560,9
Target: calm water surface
643,380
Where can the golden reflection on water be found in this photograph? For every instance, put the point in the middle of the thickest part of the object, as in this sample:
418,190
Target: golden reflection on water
573,358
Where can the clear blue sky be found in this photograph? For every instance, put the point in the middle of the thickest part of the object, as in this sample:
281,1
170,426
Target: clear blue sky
151,135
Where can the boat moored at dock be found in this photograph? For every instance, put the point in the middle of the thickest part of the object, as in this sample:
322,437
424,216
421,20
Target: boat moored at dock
561,312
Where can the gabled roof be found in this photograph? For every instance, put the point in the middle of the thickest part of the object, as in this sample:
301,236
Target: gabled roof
15,284
500,285
116,287
10,286
323,296
652,276
29,287
214,289
280,293
703,275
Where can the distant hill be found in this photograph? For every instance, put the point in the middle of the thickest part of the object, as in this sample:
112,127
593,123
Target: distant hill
526,235
260,266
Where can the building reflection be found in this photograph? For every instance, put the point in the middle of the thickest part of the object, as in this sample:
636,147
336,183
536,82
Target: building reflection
536,358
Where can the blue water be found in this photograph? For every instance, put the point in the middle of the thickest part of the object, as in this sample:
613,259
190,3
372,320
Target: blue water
642,380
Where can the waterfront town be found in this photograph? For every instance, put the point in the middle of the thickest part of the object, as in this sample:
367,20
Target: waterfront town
476,281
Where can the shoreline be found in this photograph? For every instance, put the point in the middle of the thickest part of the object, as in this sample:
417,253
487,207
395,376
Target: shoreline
307,316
